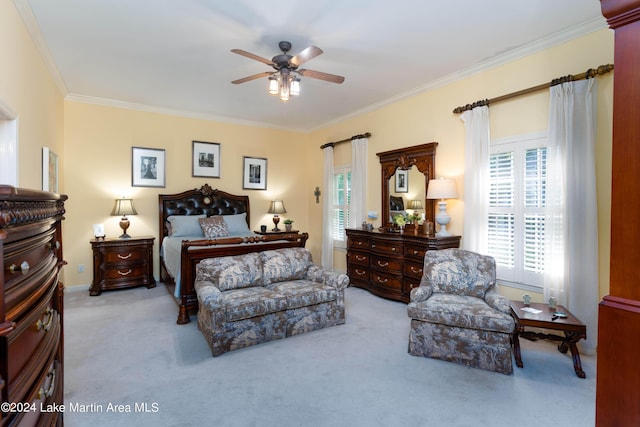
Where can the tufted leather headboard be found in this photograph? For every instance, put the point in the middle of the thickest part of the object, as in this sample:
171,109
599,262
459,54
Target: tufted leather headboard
200,201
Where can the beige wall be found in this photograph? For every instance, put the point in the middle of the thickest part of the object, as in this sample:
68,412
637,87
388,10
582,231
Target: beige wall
428,117
95,158
27,89
98,143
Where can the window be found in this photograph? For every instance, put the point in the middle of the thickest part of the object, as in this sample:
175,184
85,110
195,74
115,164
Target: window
516,223
8,150
342,198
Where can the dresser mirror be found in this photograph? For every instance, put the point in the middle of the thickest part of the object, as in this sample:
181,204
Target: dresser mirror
405,175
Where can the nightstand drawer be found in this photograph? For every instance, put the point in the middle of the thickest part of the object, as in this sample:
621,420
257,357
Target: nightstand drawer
129,272
120,255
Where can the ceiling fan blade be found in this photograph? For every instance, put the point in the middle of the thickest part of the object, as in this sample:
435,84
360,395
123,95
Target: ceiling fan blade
321,76
307,54
253,77
252,56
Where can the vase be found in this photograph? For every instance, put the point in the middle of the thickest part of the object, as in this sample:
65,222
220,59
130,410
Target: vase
288,227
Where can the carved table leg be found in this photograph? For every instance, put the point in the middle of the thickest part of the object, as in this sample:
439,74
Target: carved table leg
515,339
570,341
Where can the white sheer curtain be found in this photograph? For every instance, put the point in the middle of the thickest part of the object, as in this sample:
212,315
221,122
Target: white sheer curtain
327,209
358,203
571,223
476,179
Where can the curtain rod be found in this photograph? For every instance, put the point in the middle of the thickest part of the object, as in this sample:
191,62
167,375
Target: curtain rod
590,73
331,144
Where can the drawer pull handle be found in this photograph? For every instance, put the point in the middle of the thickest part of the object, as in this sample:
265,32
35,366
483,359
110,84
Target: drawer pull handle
416,252
373,246
53,245
126,273
382,264
393,249
127,256
381,280
40,325
416,270
23,268
42,393
360,272
360,257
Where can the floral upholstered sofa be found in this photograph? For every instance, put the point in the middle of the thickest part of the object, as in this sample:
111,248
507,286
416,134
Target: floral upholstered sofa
244,300
457,313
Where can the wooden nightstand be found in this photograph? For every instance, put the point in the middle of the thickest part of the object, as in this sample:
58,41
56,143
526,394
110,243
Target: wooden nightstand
122,263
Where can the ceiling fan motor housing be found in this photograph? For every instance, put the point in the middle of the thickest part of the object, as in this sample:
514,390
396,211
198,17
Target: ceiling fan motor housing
283,60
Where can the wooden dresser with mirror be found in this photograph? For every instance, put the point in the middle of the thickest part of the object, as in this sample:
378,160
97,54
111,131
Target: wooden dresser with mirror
387,262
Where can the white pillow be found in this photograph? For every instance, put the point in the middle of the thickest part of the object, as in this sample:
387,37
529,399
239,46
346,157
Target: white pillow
237,224
185,225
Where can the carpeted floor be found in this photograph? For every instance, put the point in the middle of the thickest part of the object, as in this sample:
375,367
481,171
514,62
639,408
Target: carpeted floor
125,348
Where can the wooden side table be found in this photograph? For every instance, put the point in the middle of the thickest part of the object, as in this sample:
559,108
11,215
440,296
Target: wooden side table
268,232
121,264
572,328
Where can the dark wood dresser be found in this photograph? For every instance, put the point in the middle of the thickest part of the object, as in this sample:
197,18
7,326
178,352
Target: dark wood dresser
122,263
31,302
390,264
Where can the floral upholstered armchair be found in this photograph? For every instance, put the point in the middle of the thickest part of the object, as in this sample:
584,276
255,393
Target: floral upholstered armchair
458,315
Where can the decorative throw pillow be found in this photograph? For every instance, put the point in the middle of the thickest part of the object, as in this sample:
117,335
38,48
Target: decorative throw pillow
185,225
213,227
237,224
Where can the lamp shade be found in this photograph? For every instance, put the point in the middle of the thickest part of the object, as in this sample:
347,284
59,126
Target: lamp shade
277,207
442,188
415,204
124,207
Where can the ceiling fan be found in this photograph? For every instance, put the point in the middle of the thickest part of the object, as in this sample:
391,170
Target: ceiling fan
284,81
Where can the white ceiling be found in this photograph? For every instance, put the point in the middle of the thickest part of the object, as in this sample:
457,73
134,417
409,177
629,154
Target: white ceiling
174,55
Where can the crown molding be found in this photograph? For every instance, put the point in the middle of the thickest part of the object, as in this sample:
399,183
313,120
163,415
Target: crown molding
26,13
174,112
539,45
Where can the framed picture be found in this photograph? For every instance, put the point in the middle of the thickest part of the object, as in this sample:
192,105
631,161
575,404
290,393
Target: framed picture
254,173
49,170
147,167
402,181
206,159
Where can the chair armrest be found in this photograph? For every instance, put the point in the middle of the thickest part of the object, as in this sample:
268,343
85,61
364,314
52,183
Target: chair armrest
497,301
329,278
208,294
421,293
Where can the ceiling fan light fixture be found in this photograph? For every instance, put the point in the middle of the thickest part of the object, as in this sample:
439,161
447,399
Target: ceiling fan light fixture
295,87
284,89
273,85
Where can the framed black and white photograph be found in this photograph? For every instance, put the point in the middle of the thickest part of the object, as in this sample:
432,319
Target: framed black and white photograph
402,181
148,167
49,170
254,173
206,159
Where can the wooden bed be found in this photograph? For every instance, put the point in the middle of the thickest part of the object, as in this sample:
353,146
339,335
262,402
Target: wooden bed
210,202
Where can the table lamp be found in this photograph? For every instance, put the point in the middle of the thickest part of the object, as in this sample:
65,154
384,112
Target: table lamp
276,207
124,207
442,188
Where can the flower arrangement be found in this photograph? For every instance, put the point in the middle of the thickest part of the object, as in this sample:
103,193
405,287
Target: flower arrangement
415,217
288,221
399,220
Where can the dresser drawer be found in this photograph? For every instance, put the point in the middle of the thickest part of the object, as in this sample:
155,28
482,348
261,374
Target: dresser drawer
359,258
387,248
409,284
358,242
358,274
413,269
124,254
392,265
415,252
386,281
